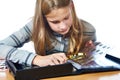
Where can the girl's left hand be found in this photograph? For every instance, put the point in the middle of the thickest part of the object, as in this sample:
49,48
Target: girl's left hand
89,46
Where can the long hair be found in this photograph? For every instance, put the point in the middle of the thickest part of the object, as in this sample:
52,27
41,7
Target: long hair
42,34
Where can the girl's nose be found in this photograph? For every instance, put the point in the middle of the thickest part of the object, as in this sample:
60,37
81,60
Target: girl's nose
62,26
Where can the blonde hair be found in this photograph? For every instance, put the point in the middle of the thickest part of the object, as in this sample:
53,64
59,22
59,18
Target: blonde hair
42,34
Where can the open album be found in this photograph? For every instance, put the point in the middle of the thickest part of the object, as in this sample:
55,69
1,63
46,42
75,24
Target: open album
98,60
103,58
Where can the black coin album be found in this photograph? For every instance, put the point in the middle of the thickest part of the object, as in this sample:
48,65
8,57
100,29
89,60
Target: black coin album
22,72
100,60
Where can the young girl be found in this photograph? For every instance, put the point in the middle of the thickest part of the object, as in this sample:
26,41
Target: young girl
55,31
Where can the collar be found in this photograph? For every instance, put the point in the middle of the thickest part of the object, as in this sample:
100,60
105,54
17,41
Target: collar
57,35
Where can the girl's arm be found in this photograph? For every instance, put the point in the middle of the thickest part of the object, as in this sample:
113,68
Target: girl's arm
9,46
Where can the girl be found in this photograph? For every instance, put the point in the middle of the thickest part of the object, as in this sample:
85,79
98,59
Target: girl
55,31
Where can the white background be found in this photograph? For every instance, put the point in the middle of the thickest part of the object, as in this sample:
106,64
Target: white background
104,15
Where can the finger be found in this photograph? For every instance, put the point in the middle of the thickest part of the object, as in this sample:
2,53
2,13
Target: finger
51,63
61,57
55,61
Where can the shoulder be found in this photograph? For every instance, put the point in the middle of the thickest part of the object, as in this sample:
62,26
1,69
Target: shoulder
89,31
87,27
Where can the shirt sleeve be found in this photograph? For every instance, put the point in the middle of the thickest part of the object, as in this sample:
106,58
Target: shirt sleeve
9,47
89,31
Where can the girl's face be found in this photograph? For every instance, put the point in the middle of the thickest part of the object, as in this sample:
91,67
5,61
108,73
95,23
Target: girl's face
60,20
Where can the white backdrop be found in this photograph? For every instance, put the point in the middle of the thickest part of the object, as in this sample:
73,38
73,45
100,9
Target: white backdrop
104,15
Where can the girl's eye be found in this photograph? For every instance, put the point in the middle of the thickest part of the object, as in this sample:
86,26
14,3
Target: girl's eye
66,18
55,22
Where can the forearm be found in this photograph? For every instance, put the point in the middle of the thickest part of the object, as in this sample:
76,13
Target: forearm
16,55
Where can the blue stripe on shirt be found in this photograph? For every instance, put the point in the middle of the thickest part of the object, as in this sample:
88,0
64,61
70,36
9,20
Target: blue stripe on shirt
10,53
27,30
27,58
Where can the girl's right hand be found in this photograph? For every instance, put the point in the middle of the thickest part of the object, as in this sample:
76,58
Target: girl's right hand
53,59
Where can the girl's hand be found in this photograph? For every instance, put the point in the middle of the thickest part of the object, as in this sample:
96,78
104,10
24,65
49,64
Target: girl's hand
53,59
88,46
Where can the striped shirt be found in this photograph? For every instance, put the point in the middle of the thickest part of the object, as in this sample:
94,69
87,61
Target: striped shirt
9,47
